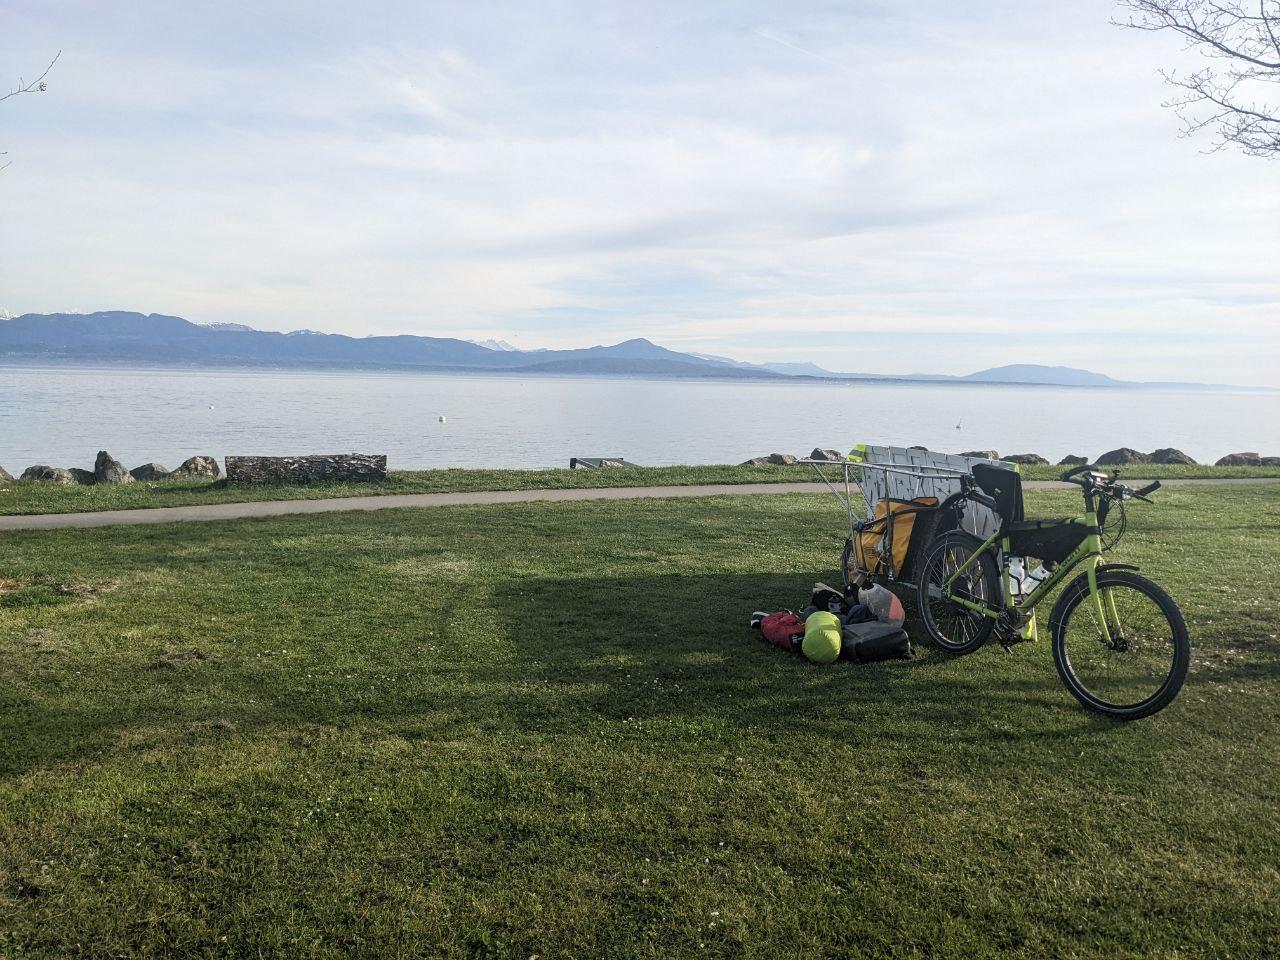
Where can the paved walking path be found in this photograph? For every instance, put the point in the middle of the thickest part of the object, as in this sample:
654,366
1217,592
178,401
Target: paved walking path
275,508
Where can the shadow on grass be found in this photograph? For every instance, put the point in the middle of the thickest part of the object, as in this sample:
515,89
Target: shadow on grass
582,655
614,635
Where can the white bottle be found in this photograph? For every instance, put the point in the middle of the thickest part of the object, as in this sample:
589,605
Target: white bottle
1037,576
1017,567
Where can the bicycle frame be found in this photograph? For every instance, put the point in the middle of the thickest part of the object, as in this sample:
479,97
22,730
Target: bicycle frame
1089,551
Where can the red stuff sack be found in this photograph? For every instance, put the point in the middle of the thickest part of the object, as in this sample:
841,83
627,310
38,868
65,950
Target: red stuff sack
784,630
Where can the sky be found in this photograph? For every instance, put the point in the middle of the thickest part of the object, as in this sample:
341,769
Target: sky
930,187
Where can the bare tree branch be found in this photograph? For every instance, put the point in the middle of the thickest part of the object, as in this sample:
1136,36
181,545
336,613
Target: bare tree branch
35,86
1227,95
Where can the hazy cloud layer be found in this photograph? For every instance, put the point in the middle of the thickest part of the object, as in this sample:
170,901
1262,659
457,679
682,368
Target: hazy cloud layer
876,186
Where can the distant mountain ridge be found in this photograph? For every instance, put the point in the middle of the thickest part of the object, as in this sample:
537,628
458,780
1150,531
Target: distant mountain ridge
127,337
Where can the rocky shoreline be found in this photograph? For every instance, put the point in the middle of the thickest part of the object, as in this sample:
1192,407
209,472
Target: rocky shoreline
351,467
107,469
1122,456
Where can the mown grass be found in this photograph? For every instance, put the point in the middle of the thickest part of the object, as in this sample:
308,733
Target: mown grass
547,730
33,498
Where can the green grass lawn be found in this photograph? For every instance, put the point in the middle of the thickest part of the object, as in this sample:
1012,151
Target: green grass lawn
547,730
30,498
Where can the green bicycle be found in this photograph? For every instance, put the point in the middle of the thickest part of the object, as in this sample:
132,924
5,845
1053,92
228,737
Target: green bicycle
1119,641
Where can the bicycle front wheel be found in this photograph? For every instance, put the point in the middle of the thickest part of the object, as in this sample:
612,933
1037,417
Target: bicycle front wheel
1142,666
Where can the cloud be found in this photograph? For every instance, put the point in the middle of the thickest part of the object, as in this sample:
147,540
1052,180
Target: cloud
991,183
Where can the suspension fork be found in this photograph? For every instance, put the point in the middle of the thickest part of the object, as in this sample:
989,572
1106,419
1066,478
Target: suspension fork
1096,513
1101,608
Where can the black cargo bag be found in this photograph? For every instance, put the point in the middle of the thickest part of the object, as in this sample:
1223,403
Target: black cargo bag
874,640
1052,540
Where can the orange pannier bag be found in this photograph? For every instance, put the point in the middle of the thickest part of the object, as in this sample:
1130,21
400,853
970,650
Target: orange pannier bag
869,543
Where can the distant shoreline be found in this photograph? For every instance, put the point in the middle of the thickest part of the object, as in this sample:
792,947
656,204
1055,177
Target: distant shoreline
106,364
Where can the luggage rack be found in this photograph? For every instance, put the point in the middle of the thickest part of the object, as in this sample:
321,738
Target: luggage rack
900,484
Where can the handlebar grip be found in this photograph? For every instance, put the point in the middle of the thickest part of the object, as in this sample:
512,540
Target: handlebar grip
1148,489
1074,470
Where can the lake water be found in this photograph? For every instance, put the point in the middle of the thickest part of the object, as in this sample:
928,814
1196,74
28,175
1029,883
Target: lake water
64,415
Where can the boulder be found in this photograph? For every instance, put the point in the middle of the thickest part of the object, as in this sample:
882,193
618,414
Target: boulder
982,454
149,471
1269,461
5,475
107,469
41,473
85,478
1240,460
348,467
820,454
1122,456
586,463
925,449
196,468
1171,455
1027,459
1071,460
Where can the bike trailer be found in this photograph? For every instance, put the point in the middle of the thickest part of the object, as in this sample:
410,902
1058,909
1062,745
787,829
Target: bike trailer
908,496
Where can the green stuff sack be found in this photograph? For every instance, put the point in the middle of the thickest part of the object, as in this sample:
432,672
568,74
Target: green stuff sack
822,637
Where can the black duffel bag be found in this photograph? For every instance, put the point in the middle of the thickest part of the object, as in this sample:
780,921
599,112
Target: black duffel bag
873,641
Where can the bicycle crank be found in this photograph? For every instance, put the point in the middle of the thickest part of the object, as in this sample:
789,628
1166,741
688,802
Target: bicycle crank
1014,627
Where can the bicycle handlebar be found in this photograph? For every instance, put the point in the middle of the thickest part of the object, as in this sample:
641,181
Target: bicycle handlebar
1107,487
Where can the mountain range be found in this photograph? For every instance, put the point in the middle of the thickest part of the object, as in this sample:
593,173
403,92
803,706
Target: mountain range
136,338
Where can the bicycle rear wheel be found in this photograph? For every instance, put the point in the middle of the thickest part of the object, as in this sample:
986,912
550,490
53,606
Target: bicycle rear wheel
1141,668
954,628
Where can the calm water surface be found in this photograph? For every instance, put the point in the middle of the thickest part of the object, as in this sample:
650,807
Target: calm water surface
64,415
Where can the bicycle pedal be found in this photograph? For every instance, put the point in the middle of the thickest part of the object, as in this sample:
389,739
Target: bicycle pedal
1009,642
1015,627
1010,638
